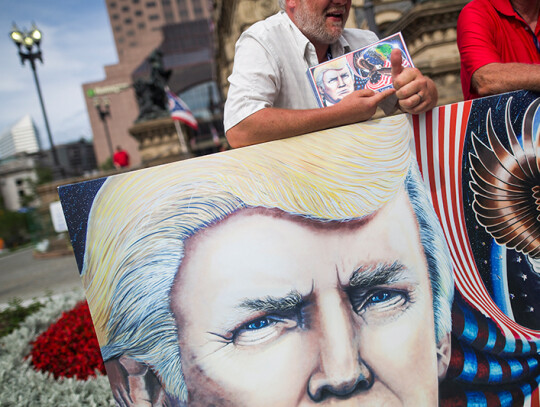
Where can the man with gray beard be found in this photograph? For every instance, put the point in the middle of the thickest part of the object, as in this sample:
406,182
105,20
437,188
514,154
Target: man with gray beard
270,96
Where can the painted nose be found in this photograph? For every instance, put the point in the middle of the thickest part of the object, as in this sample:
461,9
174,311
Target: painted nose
340,373
341,82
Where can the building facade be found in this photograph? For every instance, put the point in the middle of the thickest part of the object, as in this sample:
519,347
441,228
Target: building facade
20,173
22,137
137,27
17,174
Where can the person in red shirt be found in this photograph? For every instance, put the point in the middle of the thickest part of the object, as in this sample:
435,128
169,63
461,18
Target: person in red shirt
499,44
120,158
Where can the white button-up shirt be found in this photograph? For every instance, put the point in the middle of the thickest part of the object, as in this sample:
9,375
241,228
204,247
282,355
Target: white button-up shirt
270,67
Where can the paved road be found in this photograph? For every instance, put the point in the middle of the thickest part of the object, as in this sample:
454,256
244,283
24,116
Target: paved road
25,277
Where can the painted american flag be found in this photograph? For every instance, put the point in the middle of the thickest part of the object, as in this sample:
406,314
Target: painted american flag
491,347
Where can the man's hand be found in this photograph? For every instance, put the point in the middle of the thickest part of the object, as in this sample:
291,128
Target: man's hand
415,92
360,105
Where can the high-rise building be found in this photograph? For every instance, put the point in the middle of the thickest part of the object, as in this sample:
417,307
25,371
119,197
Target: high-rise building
22,137
137,30
136,24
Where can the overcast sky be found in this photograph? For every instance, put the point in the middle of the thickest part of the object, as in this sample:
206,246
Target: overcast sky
77,43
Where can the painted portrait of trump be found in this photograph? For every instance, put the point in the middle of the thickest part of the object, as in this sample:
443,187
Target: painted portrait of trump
309,271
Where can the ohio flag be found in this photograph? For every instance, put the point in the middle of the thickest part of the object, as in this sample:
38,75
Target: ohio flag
180,111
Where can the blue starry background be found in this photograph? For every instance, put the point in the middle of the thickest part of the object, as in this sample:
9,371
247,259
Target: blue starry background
521,297
77,201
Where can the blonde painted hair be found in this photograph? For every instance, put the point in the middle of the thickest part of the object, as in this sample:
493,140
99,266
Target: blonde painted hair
332,65
139,222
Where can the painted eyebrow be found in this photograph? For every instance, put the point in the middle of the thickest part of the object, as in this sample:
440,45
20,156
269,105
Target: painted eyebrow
289,302
374,275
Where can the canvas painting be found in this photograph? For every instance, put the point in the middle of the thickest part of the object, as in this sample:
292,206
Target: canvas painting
364,68
341,267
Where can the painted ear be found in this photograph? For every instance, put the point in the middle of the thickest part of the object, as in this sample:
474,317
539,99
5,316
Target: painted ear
142,384
444,350
128,384
133,368
118,378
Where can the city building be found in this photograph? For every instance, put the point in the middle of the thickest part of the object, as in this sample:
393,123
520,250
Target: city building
17,175
76,158
22,137
137,27
22,172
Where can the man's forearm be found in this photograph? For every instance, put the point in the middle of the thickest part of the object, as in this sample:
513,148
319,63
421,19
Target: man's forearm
497,78
274,124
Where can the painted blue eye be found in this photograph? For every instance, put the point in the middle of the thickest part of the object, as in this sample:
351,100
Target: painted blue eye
258,324
379,297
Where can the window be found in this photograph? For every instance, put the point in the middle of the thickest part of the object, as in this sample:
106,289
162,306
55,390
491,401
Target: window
130,33
118,28
115,17
112,4
138,13
141,26
169,17
150,4
128,21
153,17
125,8
135,1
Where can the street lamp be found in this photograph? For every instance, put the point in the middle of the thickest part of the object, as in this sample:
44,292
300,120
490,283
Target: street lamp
104,111
28,43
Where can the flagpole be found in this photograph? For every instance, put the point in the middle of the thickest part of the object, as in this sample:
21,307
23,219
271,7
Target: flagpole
181,137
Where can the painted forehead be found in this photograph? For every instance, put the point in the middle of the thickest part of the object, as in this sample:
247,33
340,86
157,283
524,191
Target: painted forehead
344,69
311,222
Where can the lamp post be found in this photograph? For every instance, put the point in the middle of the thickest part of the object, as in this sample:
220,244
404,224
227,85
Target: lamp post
104,111
28,43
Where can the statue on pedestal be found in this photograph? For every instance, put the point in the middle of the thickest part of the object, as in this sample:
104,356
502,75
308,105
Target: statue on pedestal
150,93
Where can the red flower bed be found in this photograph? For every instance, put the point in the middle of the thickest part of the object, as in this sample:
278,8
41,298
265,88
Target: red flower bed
69,347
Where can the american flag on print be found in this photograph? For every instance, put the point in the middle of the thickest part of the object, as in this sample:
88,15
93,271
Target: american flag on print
460,149
384,79
180,111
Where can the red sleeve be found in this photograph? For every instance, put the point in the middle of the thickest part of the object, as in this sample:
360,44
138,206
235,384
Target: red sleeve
476,40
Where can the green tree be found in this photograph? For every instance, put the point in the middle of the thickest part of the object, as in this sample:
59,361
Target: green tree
44,175
13,227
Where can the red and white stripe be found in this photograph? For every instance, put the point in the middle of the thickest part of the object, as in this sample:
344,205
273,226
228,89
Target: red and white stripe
439,136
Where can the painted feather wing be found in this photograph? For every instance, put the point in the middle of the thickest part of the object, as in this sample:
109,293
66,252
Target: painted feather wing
506,185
